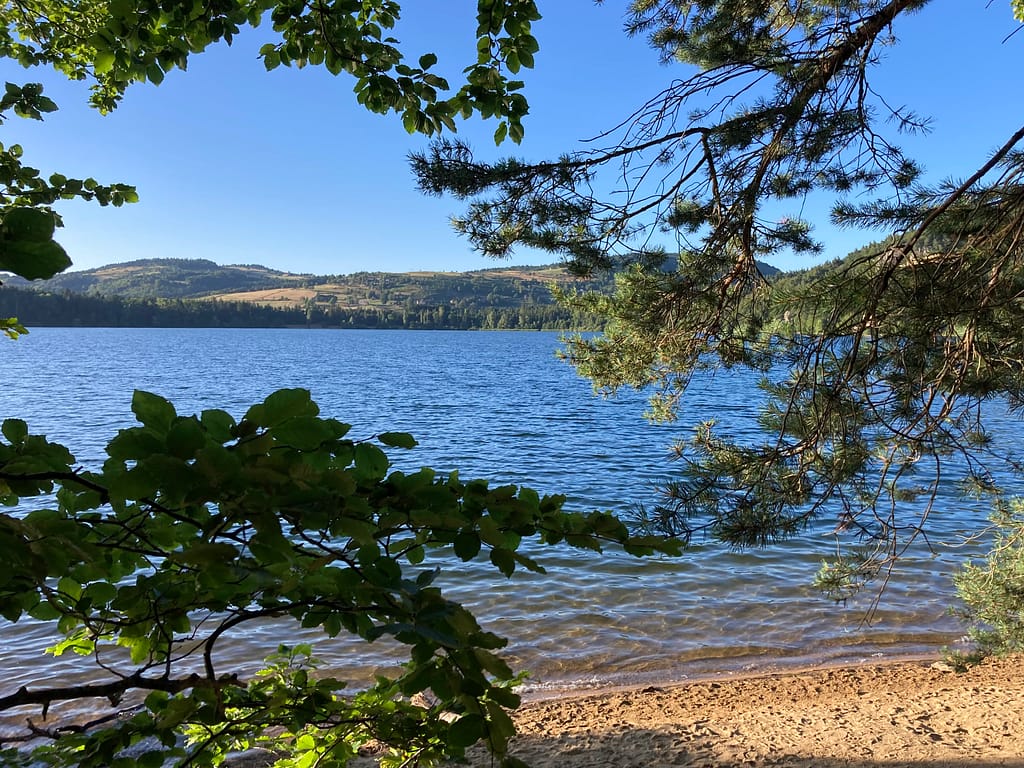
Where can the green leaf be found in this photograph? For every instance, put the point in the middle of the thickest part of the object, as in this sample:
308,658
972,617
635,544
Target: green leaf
152,759
529,563
134,444
14,430
206,553
371,462
69,587
77,643
43,611
100,592
332,625
493,664
306,433
153,411
467,545
502,728
185,438
271,59
415,555
501,133
516,132
397,439
33,259
103,61
467,731
506,697
282,405
218,424
409,120
119,9
427,60
132,485
218,463
503,561
176,711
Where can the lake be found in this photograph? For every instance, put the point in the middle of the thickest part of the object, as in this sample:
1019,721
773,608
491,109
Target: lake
500,405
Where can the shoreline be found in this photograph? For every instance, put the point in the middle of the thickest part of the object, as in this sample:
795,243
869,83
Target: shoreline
777,667
894,713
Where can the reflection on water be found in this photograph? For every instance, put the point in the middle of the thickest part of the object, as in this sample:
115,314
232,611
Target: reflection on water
500,405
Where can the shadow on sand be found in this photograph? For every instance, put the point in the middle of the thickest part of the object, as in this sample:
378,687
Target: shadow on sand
667,748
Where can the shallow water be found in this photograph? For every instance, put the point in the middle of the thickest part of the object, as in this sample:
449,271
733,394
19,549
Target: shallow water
500,405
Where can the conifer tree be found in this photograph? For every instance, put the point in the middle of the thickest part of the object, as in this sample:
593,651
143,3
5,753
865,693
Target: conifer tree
876,368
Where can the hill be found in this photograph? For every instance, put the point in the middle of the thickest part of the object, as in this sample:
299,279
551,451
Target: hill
198,292
164,278
480,290
204,279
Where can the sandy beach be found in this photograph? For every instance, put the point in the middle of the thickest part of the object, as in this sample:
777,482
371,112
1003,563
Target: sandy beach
901,715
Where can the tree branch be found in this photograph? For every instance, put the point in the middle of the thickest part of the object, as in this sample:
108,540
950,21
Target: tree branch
112,691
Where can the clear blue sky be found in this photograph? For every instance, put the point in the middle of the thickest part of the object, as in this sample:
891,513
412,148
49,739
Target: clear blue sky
284,169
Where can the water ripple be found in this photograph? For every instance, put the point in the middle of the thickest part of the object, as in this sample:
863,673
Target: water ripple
499,405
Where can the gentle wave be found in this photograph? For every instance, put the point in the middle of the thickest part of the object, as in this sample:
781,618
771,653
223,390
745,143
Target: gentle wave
500,405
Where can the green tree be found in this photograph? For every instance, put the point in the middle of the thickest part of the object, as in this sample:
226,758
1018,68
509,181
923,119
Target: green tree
27,218
196,526
114,43
876,369
993,591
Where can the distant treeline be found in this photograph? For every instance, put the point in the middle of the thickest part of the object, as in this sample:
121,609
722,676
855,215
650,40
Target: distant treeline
33,308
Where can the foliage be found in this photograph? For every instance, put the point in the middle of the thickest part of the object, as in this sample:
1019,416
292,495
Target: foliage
196,527
27,218
993,591
118,42
115,43
876,369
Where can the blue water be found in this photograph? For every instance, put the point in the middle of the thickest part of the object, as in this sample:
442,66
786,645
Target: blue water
500,405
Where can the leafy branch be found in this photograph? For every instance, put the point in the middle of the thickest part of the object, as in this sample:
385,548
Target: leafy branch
876,369
196,526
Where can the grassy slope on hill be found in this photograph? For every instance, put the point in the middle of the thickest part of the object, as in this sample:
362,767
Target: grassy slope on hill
200,278
151,292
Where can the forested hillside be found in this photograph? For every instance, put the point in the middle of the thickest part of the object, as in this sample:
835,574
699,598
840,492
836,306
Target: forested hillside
39,309
789,314
201,293
201,278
